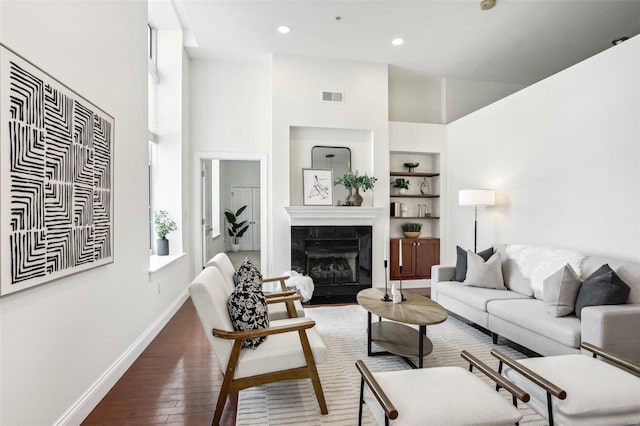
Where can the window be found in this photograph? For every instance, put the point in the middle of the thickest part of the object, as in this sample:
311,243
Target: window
152,95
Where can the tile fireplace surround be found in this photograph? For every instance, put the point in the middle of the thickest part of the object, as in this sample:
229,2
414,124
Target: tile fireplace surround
333,245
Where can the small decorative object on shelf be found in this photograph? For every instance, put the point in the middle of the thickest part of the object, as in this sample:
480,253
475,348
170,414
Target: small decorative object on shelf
411,166
355,181
411,229
164,225
404,210
425,187
401,184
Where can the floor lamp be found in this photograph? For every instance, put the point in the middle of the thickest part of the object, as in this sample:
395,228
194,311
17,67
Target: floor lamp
475,198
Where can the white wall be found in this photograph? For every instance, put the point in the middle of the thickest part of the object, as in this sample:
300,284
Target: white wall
230,105
297,86
462,97
414,97
63,344
564,156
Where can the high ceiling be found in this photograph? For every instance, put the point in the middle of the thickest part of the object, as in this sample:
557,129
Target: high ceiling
518,41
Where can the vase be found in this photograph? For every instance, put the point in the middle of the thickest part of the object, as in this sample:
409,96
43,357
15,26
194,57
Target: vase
411,234
402,191
235,247
354,199
162,248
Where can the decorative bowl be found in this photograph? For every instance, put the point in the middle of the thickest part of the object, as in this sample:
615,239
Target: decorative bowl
411,166
415,234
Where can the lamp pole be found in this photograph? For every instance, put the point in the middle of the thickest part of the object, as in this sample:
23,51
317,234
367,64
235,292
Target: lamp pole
475,228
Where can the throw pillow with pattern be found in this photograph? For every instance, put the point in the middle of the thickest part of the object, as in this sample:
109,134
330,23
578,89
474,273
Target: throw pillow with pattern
248,311
247,273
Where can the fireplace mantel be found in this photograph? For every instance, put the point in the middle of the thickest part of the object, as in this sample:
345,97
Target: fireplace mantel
329,215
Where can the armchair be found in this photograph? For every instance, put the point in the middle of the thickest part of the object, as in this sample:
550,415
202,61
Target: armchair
577,389
290,352
291,307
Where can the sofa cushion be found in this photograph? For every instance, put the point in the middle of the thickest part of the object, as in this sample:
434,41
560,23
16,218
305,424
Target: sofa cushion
476,297
531,314
484,274
461,261
513,278
603,287
629,272
560,291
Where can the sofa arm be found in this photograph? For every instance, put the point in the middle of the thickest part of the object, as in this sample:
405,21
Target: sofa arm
613,328
439,274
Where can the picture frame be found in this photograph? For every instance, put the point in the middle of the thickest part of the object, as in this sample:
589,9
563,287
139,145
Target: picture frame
56,178
317,187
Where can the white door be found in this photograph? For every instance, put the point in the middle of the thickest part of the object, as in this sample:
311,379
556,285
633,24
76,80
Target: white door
255,218
243,196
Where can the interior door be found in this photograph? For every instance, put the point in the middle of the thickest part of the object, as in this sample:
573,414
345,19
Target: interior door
243,196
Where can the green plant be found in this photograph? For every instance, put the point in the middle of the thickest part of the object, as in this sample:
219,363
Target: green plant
163,223
411,227
236,230
354,180
400,183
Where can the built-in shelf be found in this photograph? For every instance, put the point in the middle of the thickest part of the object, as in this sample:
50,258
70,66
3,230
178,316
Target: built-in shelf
414,196
414,174
415,217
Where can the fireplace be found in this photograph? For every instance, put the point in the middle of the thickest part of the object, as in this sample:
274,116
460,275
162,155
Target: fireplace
337,258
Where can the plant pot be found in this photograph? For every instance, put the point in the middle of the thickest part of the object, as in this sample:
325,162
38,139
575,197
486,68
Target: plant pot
162,247
402,191
354,199
235,247
414,234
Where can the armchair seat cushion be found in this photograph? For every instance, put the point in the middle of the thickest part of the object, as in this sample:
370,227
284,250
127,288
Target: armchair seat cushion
564,330
441,396
597,393
280,351
476,297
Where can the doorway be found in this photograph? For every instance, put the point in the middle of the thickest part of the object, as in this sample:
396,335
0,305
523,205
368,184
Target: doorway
230,181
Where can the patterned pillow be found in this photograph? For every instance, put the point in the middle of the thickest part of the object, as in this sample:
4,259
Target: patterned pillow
247,305
247,273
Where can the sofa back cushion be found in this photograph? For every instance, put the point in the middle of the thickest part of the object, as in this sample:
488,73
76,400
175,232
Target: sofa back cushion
513,278
629,272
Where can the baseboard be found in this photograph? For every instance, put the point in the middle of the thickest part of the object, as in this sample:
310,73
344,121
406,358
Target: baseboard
92,397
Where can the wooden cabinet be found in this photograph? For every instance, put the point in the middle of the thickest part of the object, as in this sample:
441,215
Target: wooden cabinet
418,256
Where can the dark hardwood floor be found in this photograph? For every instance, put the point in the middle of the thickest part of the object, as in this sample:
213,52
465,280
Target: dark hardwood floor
175,381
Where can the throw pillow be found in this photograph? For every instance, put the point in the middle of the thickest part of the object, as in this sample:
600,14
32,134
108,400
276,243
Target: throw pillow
603,287
248,311
560,291
484,274
248,274
461,262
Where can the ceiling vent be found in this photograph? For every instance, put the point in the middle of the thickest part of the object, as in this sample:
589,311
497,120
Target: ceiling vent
333,97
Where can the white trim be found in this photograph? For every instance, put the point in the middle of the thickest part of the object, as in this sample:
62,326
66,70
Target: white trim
157,263
328,215
92,397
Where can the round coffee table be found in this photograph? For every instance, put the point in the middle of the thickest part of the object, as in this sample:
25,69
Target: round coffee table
396,337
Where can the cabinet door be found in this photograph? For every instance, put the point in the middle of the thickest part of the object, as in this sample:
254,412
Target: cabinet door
427,254
408,256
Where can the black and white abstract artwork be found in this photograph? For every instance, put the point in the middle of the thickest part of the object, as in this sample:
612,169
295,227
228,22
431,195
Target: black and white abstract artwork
56,178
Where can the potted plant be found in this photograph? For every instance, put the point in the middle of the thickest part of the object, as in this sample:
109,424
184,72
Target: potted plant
401,184
164,225
236,229
411,229
356,181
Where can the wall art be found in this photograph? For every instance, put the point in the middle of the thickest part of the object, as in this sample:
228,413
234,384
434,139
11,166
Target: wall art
56,178
317,185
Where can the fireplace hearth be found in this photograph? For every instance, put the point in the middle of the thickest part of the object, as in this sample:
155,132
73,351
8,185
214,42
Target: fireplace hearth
337,258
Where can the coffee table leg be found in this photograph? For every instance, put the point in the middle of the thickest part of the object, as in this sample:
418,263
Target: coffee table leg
422,331
368,333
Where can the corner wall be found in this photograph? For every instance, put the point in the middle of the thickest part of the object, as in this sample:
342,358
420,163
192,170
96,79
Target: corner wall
564,157
65,343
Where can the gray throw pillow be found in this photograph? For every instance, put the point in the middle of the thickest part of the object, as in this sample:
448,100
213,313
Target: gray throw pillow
603,287
484,274
461,261
560,291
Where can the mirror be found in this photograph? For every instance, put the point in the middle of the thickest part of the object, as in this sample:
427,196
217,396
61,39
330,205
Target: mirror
338,159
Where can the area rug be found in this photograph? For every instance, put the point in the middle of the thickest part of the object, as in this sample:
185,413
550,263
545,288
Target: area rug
344,331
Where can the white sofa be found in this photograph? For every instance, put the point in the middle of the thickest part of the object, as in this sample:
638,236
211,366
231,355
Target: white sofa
516,315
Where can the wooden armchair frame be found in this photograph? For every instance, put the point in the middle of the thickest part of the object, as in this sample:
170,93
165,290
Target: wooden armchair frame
230,384
551,389
390,411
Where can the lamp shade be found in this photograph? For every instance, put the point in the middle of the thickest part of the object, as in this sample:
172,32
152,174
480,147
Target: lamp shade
476,197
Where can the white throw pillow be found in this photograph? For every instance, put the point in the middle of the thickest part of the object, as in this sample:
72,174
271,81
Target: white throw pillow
484,274
560,291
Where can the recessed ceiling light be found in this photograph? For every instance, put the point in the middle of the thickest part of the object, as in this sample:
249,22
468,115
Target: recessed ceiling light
283,29
397,41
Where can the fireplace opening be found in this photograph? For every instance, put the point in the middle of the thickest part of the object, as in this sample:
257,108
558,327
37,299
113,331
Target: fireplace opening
337,258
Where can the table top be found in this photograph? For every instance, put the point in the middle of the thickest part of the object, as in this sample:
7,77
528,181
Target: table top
417,309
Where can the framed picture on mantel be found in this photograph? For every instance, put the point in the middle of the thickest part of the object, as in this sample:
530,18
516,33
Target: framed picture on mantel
317,187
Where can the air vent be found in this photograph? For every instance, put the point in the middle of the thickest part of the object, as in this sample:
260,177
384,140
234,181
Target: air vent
335,97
